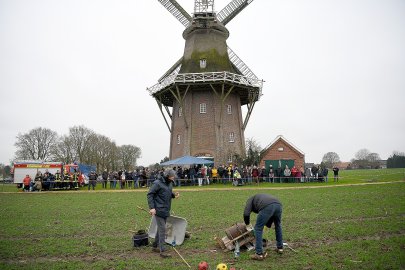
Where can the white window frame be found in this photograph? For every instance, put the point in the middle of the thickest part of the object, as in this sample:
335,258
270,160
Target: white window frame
231,137
203,108
178,138
180,111
203,63
229,109
230,158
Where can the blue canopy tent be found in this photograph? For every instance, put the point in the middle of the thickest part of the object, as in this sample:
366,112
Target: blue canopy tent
186,160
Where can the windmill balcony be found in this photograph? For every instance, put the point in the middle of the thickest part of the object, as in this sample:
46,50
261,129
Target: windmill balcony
253,84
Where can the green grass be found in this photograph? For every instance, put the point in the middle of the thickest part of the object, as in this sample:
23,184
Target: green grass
348,227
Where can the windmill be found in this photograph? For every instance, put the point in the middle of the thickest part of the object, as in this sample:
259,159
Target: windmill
207,87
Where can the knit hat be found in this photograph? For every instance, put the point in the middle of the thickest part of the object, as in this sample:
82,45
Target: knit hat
170,173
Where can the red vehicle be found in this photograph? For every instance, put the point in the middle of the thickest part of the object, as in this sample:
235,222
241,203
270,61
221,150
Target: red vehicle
32,167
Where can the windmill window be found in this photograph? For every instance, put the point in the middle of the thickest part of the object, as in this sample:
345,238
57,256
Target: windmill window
203,63
180,111
203,108
178,138
229,109
231,137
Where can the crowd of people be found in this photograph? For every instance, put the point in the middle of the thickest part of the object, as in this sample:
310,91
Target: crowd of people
49,181
195,175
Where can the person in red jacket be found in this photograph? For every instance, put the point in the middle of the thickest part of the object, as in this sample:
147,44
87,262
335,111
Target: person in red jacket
27,182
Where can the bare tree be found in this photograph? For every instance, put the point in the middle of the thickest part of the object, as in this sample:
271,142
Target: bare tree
253,151
5,170
362,154
79,137
104,151
128,156
63,150
37,144
330,159
374,160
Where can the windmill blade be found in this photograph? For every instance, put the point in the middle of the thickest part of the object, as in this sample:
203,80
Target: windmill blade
240,65
173,70
174,8
231,10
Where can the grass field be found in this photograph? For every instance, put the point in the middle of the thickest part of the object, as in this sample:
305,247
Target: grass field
339,227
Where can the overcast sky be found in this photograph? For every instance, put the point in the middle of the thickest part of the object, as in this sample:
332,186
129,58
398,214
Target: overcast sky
334,71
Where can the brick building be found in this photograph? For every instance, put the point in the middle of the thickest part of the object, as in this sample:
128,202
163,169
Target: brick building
282,152
202,94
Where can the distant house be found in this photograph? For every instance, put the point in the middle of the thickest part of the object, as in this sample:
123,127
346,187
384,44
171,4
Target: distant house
281,152
343,165
383,164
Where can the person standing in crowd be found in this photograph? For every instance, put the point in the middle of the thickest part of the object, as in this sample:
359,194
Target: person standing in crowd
122,182
271,174
92,180
221,171
287,173
335,174
214,173
302,173
308,174
27,183
314,171
294,172
58,178
159,197
104,175
325,172
38,181
179,176
269,210
279,174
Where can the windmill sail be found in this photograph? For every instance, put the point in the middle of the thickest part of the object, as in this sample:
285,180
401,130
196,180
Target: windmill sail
174,8
231,10
240,65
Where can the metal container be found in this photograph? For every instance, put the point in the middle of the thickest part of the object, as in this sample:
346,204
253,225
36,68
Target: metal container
175,230
140,239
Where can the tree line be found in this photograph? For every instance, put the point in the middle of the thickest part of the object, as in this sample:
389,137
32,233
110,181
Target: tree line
364,159
81,145
396,160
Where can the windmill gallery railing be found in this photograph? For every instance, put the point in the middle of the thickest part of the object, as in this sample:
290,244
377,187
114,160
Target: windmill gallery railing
206,77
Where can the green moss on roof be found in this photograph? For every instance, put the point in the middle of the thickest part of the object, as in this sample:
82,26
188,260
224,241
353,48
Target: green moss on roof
215,62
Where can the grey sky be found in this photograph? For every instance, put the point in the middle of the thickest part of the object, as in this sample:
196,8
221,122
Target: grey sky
334,71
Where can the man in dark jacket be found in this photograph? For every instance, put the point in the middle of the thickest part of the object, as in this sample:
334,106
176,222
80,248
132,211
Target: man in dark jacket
104,175
269,210
160,196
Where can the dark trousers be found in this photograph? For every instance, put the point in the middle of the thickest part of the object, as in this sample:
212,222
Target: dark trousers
272,212
160,234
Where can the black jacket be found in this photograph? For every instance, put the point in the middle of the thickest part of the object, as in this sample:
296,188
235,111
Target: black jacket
256,203
160,197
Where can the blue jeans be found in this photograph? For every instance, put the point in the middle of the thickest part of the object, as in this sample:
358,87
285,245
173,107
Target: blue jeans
271,213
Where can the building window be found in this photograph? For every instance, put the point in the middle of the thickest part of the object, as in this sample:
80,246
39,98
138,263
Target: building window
231,137
180,111
178,138
203,108
203,63
230,158
229,109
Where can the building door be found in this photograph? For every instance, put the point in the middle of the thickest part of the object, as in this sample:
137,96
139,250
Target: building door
279,162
